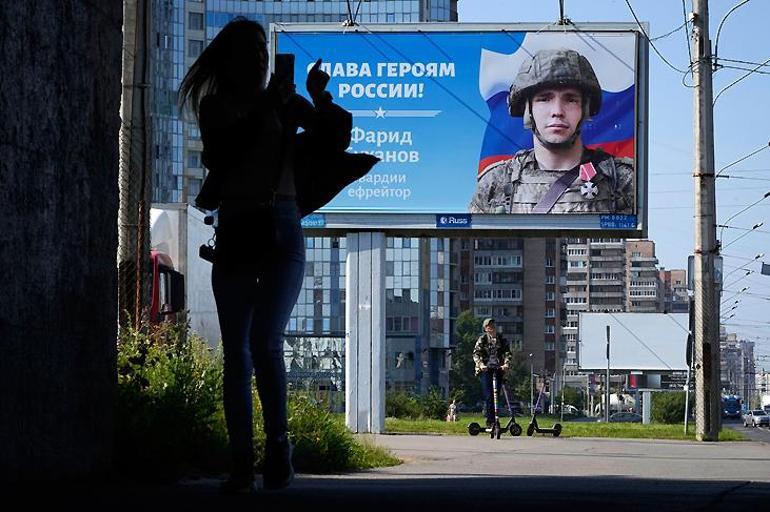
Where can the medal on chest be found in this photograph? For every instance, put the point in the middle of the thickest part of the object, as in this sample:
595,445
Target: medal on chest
588,189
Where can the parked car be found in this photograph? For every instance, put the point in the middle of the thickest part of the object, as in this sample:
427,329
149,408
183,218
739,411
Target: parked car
756,418
625,417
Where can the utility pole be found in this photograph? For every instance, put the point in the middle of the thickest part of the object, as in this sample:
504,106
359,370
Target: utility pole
135,156
707,395
607,387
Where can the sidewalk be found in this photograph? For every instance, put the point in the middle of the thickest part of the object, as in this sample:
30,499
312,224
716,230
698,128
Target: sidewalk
465,473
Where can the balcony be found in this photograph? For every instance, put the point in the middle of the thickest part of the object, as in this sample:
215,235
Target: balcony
614,257
601,295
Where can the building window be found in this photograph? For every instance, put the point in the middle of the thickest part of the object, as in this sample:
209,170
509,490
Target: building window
194,48
194,159
195,21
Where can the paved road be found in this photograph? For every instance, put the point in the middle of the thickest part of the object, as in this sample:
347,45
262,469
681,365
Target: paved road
761,434
481,474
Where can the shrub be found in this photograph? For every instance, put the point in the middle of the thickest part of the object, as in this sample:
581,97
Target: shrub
668,407
399,404
433,405
170,419
323,444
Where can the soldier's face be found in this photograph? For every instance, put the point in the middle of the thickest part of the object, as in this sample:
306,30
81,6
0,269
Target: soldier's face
557,113
490,329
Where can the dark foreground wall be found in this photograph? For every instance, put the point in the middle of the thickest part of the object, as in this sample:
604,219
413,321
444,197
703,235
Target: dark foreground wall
59,106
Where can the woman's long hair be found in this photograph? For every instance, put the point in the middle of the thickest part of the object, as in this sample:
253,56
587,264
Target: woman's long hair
206,74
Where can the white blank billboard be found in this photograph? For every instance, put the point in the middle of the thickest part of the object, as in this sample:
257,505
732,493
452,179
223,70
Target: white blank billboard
638,341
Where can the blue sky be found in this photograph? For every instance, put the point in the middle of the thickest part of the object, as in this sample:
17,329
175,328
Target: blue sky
742,125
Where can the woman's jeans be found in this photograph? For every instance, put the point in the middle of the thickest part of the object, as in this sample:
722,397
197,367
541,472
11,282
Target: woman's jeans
254,305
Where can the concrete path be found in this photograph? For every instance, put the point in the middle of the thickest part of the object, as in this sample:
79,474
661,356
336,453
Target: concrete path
480,474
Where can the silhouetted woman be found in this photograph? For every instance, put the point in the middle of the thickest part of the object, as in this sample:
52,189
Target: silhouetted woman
249,132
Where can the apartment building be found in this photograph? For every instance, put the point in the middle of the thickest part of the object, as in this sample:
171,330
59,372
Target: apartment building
673,291
642,277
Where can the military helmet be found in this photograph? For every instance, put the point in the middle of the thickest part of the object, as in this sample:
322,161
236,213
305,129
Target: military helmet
554,68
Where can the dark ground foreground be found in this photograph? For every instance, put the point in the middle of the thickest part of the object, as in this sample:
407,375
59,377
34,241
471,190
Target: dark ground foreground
464,473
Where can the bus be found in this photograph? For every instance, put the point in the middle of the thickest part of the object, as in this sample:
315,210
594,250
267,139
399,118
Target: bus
731,406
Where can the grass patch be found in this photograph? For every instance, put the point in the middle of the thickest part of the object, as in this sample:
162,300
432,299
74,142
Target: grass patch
639,431
570,429
372,456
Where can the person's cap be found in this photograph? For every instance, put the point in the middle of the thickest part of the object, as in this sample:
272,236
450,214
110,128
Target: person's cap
488,321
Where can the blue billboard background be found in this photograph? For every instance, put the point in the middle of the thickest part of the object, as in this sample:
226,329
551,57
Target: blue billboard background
423,103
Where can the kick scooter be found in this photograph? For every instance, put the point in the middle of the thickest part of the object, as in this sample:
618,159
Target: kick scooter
496,430
534,427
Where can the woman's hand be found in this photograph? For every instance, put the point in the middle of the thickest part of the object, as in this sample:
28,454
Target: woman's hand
316,82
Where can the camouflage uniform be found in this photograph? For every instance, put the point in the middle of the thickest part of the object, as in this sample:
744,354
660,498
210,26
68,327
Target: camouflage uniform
517,184
485,352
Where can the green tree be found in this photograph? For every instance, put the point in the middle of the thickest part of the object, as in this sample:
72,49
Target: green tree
668,407
572,396
463,384
518,377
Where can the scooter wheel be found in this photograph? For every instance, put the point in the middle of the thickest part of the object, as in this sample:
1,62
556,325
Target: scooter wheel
474,429
557,430
530,429
515,430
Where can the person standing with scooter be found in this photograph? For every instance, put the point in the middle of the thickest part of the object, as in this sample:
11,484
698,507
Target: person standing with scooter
492,356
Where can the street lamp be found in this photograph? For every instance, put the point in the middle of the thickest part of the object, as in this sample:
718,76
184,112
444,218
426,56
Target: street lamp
531,384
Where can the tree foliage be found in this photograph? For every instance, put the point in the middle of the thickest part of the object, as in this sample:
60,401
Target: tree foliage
463,383
668,407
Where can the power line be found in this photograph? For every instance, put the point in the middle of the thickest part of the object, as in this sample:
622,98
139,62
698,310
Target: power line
639,340
750,63
639,24
719,30
739,68
677,29
759,149
748,207
755,70
687,39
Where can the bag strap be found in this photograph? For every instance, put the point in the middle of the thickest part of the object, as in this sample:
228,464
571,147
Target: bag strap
554,193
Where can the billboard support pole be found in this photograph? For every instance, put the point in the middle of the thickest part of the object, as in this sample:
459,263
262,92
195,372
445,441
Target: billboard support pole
707,418
607,387
365,333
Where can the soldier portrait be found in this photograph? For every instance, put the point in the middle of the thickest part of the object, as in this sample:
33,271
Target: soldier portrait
555,92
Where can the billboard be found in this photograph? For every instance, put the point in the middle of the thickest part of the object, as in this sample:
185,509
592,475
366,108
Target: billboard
486,127
638,341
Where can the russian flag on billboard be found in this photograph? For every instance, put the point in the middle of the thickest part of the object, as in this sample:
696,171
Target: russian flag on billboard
612,129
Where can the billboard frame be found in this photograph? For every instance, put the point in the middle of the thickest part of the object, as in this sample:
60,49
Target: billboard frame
331,222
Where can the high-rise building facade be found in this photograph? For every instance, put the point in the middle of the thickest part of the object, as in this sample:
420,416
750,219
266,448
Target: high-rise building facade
737,366
673,287
642,277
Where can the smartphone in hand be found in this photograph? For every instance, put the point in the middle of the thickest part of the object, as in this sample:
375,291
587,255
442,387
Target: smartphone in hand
284,68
